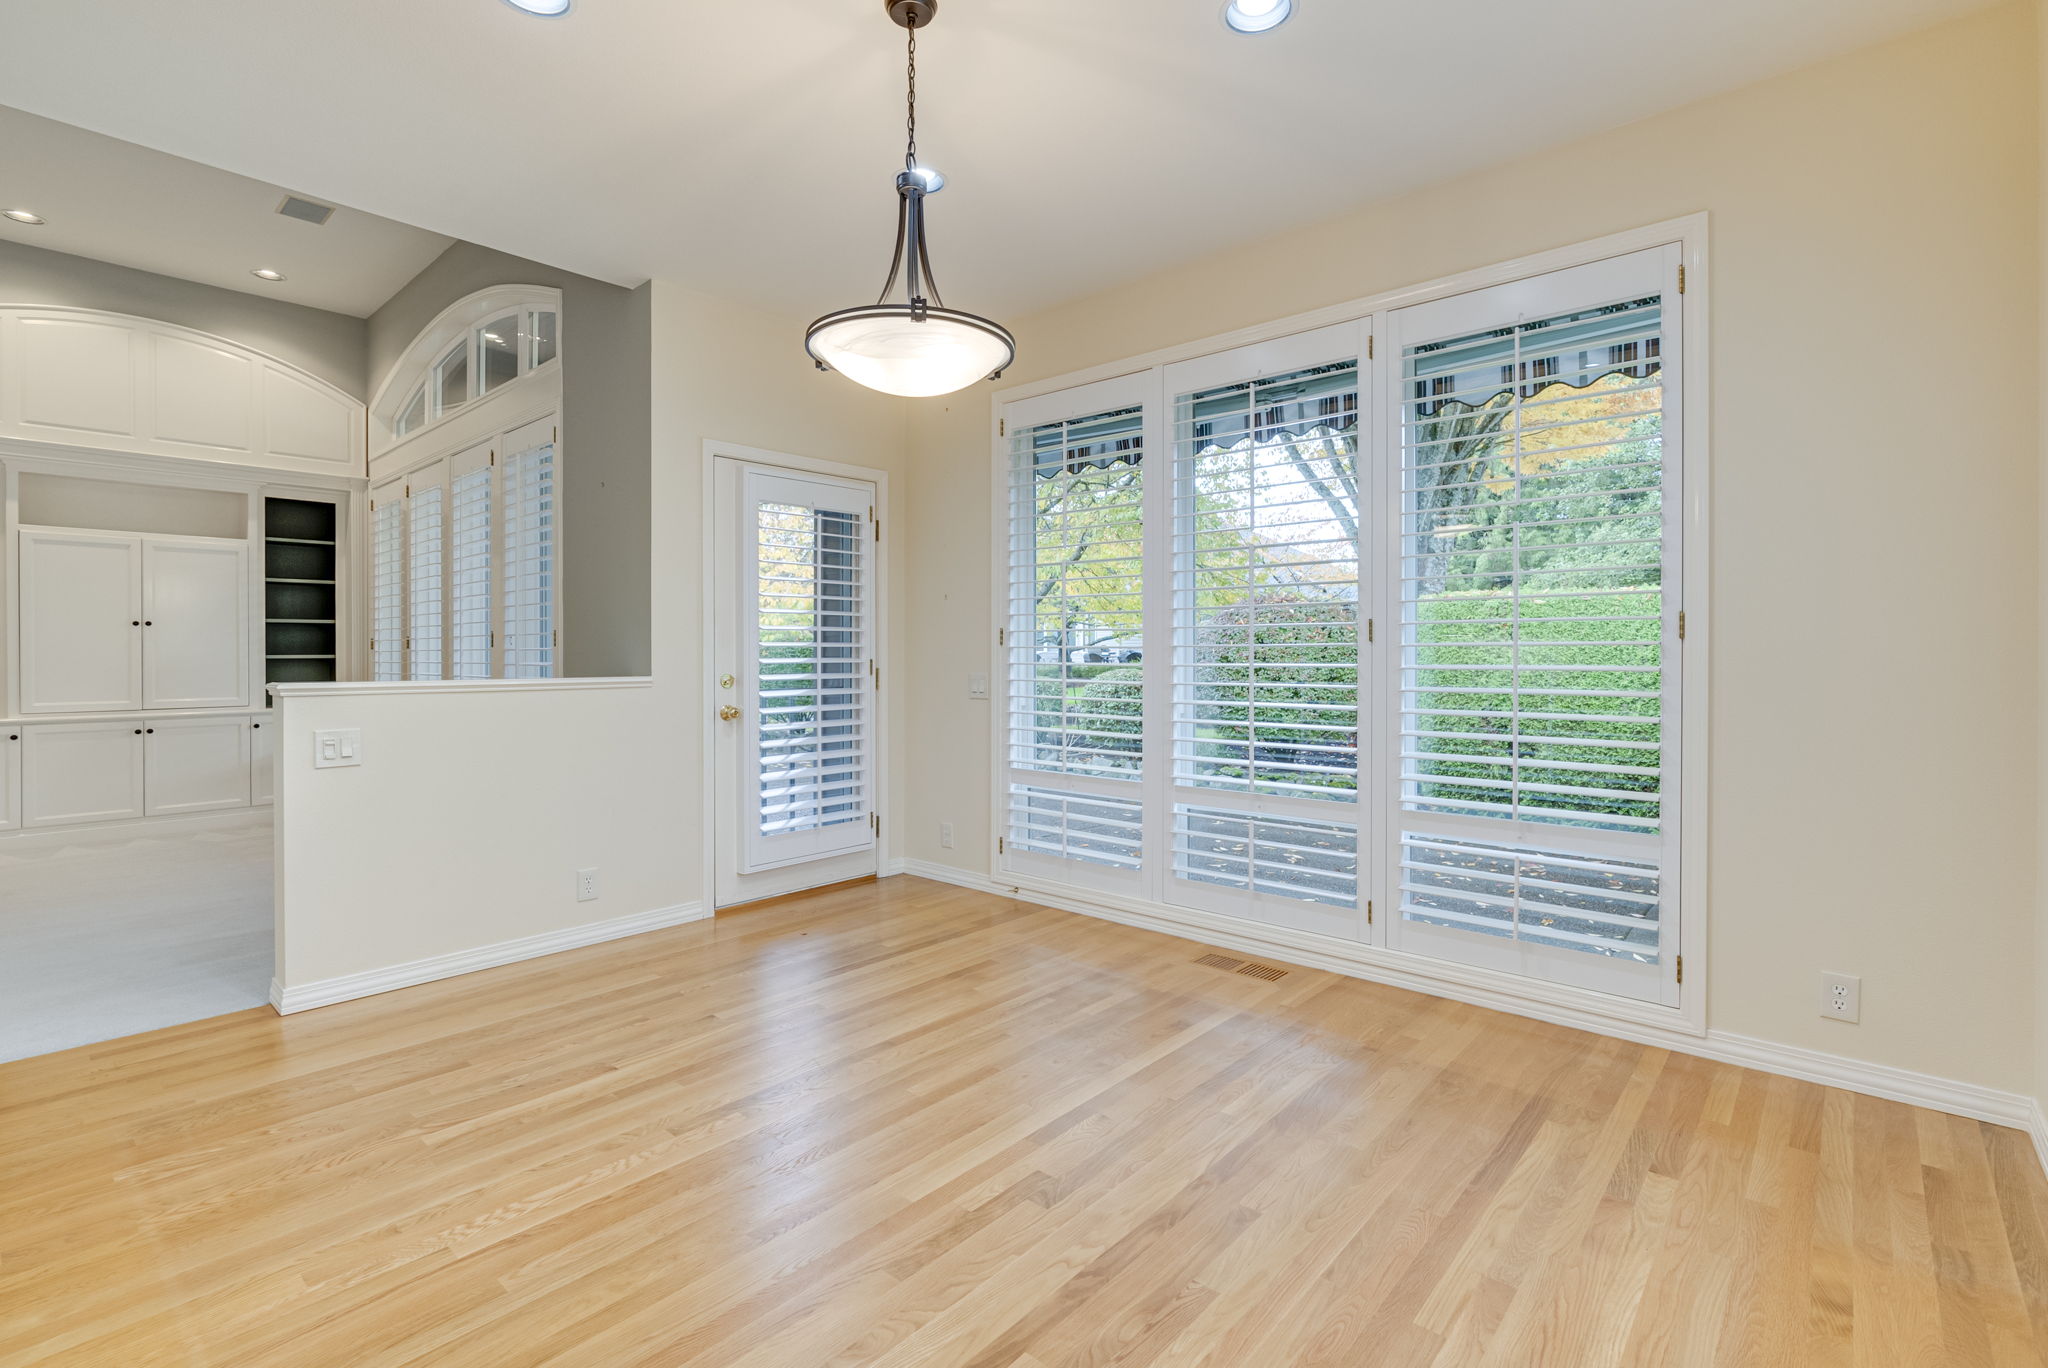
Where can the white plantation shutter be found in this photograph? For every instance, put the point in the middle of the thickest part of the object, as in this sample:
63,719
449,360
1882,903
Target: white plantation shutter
387,582
527,580
426,524
469,564
1267,517
1075,643
809,641
1537,736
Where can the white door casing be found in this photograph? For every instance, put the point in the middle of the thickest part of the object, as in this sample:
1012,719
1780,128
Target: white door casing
262,763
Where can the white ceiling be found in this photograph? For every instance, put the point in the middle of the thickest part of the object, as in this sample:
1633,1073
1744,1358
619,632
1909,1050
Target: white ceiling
115,201
750,147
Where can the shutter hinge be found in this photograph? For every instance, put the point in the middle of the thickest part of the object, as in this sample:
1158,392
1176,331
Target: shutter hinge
555,637
554,434
494,457
494,640
1681,280
1001,846
1002,427
1002,636
1681,624
1370,343
1369,629
878,525
1681,968
875,822
408,491
1368,911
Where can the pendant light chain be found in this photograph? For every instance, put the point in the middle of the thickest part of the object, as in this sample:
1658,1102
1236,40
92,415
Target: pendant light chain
910,105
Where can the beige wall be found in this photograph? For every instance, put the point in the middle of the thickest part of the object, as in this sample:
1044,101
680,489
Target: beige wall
472,810
1873,284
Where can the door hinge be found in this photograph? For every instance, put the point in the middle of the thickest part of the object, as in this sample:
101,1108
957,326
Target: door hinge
1681,968
878,526
1681,624
1681,280
494,458
554,434
875,822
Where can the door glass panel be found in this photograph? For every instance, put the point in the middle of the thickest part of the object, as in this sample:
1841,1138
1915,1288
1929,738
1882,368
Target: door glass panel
812,667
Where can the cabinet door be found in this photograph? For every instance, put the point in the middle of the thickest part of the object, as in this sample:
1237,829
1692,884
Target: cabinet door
262,762
80,772
81,615
196,764
10,778
195,604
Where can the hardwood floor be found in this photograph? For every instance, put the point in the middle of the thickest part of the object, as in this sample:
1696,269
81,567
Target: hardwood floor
906,1124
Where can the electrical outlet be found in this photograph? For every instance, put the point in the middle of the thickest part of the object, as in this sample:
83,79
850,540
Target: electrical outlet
586,885
1841,996
946,835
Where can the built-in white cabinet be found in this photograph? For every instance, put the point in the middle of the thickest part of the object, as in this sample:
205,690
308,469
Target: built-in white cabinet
10,777
114,622
108,770
195,764
81,772
262,763
81,621
195,614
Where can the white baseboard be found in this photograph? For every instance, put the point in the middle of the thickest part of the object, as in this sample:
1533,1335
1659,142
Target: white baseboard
1320,952
324,992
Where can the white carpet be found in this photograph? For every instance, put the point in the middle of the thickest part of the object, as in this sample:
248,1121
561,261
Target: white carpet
107,932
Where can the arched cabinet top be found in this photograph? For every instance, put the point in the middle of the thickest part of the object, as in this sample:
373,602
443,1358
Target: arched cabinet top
485,344
117,382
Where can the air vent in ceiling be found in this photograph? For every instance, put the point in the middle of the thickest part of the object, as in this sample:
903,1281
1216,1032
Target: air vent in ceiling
308,211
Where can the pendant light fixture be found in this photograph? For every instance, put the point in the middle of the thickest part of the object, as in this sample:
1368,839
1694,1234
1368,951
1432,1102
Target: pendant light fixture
917,347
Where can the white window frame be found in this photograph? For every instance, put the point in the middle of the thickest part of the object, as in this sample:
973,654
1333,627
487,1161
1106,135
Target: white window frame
1374,957
459,328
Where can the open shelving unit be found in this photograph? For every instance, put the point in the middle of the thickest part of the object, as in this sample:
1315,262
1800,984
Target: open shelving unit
299,601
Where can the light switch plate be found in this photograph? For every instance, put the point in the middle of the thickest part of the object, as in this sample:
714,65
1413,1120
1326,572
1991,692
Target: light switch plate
341,746
977,686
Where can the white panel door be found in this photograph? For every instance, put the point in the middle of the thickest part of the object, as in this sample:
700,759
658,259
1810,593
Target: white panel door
195,614
796,647
80,772
196,764
262,763
81,621
10,779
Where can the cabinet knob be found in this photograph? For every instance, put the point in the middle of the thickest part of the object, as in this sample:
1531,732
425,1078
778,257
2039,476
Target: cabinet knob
136,623
147,623
138,731
258,726
150,730
14,736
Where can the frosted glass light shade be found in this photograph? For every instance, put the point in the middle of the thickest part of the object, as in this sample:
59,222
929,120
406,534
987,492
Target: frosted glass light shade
886,348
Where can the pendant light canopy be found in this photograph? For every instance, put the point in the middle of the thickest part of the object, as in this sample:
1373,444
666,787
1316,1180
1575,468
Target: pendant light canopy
917,347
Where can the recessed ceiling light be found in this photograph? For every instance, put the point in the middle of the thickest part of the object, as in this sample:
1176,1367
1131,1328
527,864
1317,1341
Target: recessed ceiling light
1257,16
265,273
547,9
23,216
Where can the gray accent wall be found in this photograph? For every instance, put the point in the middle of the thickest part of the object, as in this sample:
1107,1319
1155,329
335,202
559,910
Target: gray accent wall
607,441
329,345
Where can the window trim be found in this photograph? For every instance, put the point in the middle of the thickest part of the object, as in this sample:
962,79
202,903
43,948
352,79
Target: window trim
457,327
1378,961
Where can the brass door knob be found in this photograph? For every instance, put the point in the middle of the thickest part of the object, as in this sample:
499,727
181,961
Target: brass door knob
728,713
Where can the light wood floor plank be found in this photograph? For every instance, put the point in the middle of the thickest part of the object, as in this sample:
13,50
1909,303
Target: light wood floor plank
901,1124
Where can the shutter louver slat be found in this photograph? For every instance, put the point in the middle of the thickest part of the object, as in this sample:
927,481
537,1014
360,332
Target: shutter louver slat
1533,684
1076,638
387,589
811,638
527,593
424,613
469,590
